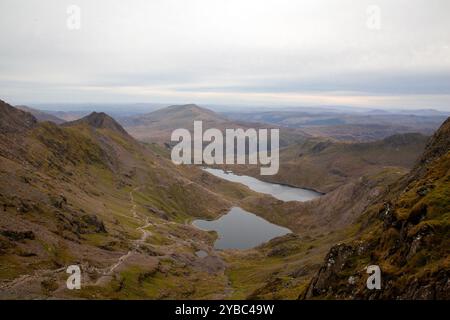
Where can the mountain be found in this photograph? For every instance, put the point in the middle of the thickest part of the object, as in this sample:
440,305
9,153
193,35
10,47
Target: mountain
406,233
176,115
348,126
325,165
41,115
68,115
157,126
98,120
14,120
87,193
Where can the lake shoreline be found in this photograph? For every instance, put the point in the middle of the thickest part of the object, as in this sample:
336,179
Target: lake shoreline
240,229
266,180
289,185
280,191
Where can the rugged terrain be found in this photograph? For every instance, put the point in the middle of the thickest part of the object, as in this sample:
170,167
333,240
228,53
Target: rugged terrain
325,165
86,192
406,233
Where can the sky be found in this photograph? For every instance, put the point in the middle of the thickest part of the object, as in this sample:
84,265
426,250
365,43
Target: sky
383,54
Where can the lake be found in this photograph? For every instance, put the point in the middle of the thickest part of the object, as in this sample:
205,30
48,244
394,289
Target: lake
240,229
278,191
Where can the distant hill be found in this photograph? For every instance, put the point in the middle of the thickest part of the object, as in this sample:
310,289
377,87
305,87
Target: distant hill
175,116
41,115
324,164
68,115
157,126
355,126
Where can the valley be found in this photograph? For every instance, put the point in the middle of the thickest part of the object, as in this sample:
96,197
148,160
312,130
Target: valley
106,196
210,151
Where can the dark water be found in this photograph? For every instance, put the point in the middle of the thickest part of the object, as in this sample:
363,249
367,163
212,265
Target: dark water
281,192
239,229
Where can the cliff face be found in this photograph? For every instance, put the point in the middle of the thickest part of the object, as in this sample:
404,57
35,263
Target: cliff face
407,234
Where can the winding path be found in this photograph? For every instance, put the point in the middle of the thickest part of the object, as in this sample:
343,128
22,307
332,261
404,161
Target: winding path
108,272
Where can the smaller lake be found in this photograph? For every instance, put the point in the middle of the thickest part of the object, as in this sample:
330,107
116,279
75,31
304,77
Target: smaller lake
240,229
278,191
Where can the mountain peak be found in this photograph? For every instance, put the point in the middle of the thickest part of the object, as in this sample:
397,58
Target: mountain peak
188,111
99,120
184,106
189,107
14,120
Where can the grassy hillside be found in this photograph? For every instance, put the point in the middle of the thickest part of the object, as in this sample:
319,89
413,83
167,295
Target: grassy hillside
325,165
89,194
406,233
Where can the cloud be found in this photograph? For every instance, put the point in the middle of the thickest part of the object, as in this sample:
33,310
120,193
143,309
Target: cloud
221,52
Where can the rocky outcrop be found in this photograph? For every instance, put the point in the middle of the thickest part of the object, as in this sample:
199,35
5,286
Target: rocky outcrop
78,225
404,246
93,223
18,235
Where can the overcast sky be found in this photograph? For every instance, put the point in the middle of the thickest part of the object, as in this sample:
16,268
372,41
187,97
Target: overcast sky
260,52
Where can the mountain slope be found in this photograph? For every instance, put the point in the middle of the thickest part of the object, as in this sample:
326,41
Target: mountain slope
98,120
158,125
89,194
13,120
406,233
174,116
86,193
41,116
326,165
